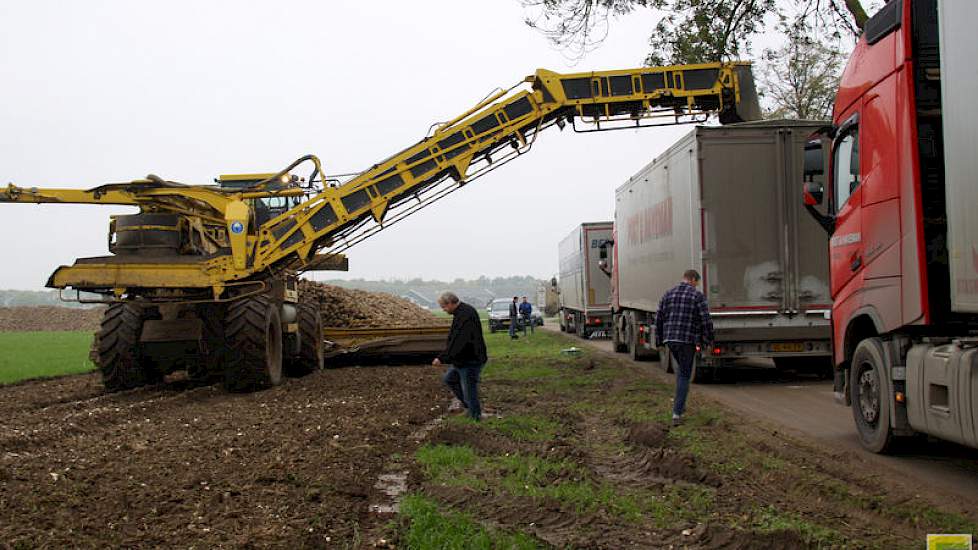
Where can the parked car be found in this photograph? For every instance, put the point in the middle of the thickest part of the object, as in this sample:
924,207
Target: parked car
498,314
536,316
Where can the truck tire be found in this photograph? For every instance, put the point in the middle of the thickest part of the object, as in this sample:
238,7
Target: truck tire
311,347
703,375
635,351
119,357
616,340
580,325
253,331
870,396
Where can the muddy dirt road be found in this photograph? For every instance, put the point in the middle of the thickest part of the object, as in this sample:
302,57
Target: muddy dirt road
294,466
805,407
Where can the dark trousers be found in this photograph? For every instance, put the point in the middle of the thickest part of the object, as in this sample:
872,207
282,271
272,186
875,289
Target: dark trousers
684,354
512,325
463,380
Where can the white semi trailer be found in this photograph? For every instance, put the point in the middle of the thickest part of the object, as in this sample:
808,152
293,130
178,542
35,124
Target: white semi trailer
726,202
584,289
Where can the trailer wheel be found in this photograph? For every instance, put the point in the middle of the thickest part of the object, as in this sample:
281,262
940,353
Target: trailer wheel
253,330
311,347
631,339
616,341
119,350
703,375
580,324
870,396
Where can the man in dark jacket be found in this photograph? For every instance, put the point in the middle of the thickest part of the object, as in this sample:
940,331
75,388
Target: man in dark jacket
514,317
526,315
681,322
465,352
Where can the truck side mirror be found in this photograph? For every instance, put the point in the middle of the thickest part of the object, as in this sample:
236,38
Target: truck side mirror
553,282
813,192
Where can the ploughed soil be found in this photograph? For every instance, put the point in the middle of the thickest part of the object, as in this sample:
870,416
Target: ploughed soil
49,318
298,465
174,465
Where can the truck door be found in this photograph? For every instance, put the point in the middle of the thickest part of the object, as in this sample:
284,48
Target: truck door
846,249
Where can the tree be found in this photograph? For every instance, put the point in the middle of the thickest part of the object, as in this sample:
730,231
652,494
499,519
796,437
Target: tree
691,30
699,31
799,79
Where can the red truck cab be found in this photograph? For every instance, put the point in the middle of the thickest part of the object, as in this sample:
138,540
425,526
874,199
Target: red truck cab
887,215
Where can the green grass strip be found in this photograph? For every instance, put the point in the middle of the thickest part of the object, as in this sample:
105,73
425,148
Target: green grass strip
25,355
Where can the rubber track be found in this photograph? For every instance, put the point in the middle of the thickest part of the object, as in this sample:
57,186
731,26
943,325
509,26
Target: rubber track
244,330
118,349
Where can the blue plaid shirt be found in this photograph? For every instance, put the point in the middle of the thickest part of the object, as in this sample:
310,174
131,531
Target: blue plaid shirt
683,316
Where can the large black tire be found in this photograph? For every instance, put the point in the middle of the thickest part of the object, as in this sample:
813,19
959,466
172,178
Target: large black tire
580,325
311,346
635,350
213,347
119,357
704,375
253,331
616,342
870,396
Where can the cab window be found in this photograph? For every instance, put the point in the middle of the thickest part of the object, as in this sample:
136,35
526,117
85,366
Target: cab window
846,167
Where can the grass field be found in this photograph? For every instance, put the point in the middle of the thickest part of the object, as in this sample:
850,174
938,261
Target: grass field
579,450
25,355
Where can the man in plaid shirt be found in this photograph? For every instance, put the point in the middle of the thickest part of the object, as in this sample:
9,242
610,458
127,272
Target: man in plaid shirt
682,322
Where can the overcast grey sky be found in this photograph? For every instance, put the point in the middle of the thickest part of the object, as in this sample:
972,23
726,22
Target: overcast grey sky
103,91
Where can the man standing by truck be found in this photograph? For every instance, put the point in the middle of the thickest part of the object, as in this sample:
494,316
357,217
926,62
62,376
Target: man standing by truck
514,317
465,351
526,310
681,323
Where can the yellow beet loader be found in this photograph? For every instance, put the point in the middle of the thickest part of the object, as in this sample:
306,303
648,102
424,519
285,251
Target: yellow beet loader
203,278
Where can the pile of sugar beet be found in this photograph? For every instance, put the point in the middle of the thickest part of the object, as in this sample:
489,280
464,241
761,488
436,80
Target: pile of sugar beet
351,308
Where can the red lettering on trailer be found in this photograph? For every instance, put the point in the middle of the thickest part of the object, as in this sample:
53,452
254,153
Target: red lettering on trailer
650,223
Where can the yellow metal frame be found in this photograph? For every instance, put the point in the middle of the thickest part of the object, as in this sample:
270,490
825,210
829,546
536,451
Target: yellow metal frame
509,117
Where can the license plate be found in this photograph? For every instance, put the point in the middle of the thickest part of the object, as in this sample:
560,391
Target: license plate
788,347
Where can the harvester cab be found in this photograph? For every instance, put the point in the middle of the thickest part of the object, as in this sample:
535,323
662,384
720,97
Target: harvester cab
264,208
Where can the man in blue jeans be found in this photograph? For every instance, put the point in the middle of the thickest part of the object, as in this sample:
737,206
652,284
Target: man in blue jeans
681,322
465,351
514,317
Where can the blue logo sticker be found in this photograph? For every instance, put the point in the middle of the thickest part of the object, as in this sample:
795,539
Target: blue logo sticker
237,227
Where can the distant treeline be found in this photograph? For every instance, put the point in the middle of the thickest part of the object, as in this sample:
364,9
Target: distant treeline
11,298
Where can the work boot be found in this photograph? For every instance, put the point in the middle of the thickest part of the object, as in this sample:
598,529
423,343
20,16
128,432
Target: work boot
457,407
677,420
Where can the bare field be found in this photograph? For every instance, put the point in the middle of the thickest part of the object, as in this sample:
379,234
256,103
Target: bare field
574,452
